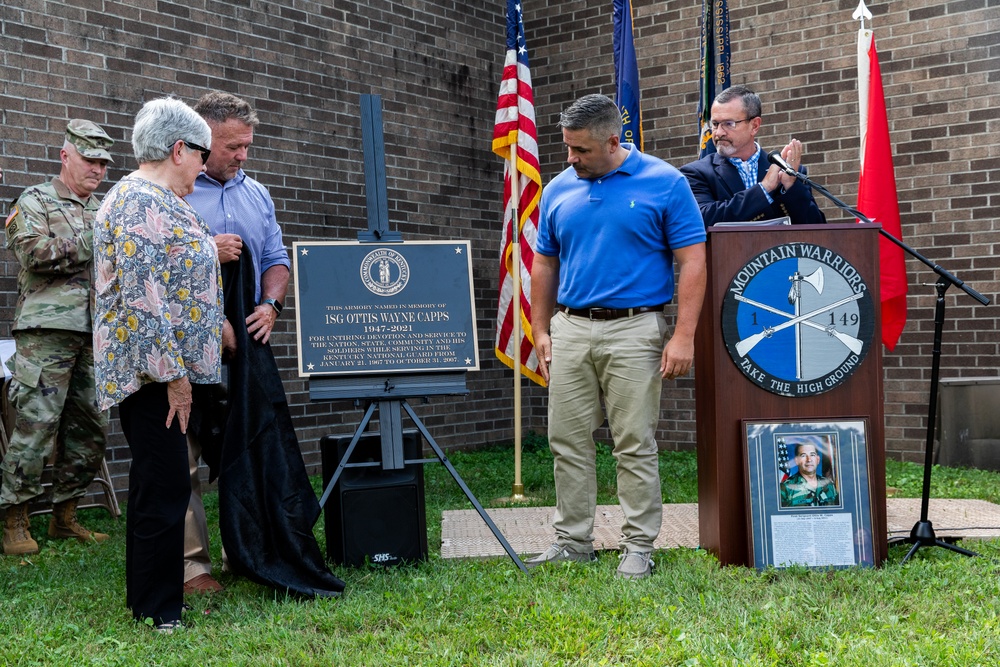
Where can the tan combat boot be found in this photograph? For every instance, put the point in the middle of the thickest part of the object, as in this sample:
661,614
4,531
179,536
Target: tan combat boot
63,524
16,537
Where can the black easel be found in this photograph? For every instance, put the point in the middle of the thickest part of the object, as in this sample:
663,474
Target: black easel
922,534
388,393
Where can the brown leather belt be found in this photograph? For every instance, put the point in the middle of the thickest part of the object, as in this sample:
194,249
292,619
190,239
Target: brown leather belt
609,313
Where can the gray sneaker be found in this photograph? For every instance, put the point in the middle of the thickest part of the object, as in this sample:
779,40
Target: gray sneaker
557,554
635,565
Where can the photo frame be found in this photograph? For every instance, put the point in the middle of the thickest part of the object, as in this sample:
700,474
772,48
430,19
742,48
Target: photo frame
809,500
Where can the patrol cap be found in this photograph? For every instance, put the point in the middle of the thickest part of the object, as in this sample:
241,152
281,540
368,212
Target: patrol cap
92,142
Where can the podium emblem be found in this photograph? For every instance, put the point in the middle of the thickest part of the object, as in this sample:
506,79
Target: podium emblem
798,319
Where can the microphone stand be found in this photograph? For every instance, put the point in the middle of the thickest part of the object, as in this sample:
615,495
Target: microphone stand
922,533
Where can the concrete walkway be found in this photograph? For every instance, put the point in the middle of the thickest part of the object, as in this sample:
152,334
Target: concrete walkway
464,534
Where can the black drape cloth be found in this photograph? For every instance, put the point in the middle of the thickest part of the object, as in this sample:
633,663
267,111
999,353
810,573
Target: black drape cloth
267,507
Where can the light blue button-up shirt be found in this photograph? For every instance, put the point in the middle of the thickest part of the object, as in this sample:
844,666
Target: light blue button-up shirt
242,206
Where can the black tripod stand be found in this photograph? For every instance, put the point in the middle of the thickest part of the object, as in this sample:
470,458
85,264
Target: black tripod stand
922,534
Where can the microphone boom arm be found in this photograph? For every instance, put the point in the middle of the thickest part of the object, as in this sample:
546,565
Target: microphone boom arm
775,158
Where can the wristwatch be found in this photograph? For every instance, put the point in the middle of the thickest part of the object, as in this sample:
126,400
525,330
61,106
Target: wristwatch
274,303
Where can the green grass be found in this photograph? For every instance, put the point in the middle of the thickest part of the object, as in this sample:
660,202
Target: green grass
66,606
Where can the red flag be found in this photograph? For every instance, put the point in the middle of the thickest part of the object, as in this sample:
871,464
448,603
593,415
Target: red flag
877,189
515,126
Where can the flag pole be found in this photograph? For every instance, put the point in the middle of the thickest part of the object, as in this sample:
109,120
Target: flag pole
860,14
515,140
517,491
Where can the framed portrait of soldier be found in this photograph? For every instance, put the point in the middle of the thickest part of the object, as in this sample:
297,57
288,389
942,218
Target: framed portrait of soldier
809,501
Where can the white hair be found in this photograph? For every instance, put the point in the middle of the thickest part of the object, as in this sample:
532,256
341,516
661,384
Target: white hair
161,123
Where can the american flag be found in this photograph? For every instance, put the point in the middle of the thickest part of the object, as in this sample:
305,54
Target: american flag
515,126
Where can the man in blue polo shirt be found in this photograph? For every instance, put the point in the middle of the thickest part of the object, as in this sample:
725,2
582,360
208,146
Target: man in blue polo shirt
611,226
240,213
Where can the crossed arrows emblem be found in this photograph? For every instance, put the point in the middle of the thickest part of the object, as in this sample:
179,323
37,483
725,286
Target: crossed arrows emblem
748,343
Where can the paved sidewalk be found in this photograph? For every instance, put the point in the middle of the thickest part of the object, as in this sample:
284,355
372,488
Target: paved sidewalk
464,534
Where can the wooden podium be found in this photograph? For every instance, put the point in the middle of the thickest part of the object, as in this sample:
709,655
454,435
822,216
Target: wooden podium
725,395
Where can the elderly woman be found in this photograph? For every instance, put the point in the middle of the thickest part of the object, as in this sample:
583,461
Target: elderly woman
157,330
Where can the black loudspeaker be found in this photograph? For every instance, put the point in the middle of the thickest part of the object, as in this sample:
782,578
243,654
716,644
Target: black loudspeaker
374,515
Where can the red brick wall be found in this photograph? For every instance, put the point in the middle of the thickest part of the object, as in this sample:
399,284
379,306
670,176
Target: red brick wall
302,65
437,66
941,71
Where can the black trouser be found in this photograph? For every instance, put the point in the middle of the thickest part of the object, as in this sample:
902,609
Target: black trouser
158,493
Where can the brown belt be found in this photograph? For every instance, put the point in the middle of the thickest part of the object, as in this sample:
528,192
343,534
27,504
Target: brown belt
609,313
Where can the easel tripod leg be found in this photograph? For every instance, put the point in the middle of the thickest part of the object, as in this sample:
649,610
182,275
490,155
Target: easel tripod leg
347,456
465,489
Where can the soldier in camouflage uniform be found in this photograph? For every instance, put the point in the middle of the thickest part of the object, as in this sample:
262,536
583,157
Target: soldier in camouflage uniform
50,230
806,487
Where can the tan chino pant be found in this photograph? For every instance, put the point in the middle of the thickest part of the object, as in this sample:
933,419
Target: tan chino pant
619,359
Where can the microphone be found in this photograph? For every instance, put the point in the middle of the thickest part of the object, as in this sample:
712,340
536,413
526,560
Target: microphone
774,157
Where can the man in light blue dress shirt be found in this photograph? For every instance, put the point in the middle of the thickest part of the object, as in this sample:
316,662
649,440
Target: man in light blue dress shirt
240,213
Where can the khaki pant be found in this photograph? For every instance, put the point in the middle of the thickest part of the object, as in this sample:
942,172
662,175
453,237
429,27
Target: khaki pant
197,559
621,360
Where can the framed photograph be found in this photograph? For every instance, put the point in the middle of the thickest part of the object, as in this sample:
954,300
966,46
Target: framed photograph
808,488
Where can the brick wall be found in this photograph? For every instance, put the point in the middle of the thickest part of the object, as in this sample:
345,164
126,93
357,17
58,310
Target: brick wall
941,71
303,66
437,65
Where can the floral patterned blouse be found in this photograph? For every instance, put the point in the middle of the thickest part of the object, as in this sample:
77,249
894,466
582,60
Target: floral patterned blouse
158,314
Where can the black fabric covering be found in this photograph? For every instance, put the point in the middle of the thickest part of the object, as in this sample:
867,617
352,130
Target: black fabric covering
267,507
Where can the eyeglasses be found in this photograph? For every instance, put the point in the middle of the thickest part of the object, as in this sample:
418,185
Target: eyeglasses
205,152
727,125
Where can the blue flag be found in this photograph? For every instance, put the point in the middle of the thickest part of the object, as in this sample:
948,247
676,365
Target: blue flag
627,74
715,57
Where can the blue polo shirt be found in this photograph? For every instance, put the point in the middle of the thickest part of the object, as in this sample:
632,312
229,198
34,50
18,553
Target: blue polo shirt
614,235
242,206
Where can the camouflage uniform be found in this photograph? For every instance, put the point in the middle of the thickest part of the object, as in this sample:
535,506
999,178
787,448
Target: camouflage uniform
50,230
796,492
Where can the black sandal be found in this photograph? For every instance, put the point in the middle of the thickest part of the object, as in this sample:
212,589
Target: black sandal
169,627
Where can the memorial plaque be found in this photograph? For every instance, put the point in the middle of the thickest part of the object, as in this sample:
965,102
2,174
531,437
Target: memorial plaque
384,308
